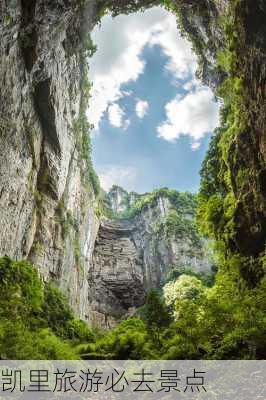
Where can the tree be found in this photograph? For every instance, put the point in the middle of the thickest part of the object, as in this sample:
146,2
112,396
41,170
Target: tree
185,287
155,314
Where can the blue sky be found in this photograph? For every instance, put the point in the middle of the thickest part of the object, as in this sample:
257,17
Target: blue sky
152,118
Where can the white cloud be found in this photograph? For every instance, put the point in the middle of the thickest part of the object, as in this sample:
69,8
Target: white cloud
195,146
194,115
125,176
116,115
118,58
182,62
142,108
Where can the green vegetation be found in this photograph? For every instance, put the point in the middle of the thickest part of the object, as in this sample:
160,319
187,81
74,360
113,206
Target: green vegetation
193,321
188,19
70,229
65,219
227,198
82,127
121,7
186,287
178,226
207,278
130,340
185,202
187,320
35,320
179,221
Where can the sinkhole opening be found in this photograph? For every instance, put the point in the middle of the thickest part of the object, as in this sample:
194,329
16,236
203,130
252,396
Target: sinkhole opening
152,115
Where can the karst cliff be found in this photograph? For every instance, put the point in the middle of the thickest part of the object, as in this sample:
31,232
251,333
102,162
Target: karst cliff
147,238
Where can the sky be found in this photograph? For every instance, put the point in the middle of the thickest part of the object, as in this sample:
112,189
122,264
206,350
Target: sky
152,118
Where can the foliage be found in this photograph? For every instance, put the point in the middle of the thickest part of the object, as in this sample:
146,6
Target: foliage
217,201
35,319
156,316
60,317
177,225
21,290
185,202
206,277
188,19
121,7
229,191
185,287
82,127
22,343
179,219
226,321
154,313
229,312
130,340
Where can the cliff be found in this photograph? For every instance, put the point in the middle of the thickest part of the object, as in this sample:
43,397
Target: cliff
48,189
46,194
137,250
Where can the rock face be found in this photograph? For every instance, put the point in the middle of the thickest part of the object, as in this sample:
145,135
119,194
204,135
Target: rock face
116,279
118,200
136,254
46,210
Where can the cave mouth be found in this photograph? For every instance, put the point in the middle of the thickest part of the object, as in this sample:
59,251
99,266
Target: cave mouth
153,117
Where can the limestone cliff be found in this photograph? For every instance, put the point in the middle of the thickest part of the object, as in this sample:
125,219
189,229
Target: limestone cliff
46,201
136,250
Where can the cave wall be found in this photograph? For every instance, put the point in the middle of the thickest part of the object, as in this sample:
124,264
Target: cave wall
249,145
46,210
234,208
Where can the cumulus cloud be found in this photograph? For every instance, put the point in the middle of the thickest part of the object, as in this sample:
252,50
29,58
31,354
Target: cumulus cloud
142,108
116,116
125,176
194,115
182,62
118,61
